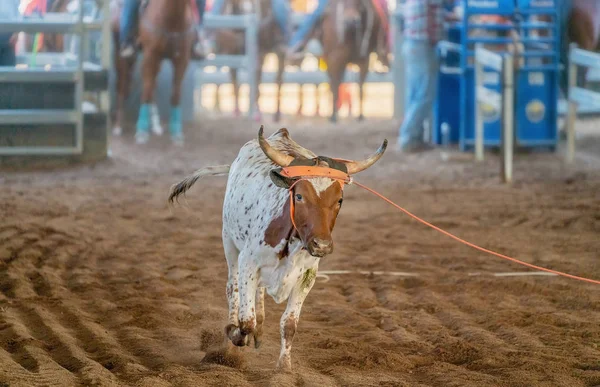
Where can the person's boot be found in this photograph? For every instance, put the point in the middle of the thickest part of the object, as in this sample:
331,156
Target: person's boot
127,50
295,52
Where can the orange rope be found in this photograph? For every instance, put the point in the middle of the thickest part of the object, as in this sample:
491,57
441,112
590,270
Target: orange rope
473,245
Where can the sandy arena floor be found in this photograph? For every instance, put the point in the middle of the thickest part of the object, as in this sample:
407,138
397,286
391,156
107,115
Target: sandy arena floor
101,284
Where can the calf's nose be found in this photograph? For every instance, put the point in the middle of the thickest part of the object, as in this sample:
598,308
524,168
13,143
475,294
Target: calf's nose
321,247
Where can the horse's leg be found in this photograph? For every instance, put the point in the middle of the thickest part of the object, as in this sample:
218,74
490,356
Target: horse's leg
336,68
155,119
150,67
364,69
121,81
317,100
180,64
300,100
236,92
217,100
261,61
279,81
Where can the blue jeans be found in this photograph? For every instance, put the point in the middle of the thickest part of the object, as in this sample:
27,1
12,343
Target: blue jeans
420,70
308,24
130,16
281,12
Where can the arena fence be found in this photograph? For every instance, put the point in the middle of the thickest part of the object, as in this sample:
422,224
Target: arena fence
579,95
74,74
247,62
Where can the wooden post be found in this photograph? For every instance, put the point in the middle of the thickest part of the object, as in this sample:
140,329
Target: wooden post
508,123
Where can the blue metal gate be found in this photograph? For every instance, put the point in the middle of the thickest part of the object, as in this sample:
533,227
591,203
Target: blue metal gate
536,89
537,81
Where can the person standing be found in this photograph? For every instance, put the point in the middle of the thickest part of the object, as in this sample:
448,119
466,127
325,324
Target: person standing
423,29
9,10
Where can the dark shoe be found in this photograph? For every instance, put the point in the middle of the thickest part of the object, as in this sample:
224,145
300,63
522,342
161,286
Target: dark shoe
383,59
295,52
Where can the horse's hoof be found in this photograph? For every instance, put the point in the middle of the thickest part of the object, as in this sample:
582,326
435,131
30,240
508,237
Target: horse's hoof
236,113
277,117
257,117
142,137
361,118
333,120
177,140
117,131
157,129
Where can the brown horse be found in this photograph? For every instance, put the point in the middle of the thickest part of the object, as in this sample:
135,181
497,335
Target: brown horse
349,33
270,39
583,29
581,25
166,31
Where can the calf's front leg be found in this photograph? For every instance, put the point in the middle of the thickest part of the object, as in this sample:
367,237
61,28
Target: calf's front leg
248,284
289,319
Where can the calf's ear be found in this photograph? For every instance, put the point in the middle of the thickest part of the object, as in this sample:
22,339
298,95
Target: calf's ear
280,180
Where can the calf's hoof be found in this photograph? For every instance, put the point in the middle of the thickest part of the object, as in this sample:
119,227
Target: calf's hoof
236,336
284,364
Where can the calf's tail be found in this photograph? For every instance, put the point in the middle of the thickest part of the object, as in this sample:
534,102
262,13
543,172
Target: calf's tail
188,182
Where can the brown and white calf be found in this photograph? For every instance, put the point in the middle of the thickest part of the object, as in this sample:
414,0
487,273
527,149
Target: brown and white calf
265,251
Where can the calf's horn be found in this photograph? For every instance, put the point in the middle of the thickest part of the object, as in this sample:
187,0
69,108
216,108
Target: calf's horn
279,158
358,166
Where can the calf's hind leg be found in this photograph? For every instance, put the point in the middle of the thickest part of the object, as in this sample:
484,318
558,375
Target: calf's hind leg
232,329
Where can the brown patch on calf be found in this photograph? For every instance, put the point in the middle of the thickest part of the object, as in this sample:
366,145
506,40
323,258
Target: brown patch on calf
280,228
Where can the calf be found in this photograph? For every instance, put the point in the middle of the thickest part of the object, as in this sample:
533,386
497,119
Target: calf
276,227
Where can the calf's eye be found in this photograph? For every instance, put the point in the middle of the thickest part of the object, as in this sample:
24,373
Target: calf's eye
298,197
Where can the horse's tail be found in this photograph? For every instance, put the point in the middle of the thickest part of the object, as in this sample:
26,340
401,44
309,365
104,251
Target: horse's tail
188,182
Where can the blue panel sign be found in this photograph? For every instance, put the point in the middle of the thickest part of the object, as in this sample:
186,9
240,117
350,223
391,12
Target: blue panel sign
536,4
491,6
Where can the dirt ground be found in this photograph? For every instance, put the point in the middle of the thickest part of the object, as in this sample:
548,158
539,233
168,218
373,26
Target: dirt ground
102,284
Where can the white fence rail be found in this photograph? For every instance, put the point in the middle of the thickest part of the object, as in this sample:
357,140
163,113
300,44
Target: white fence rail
501,101
579,95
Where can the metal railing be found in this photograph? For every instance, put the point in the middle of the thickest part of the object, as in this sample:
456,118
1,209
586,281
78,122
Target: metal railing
578,95
500,101
71,73
248,61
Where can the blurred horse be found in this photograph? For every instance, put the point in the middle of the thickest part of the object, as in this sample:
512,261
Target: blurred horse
166,31
349,33
270,39
582,28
